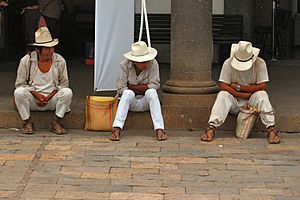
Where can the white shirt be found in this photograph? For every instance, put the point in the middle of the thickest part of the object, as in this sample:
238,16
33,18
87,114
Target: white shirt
258,73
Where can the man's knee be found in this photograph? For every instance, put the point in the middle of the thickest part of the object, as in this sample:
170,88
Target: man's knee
19,93
150,93
67,93
223,95
128,94
260,95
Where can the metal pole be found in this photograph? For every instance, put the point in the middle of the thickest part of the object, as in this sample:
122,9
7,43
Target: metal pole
273,31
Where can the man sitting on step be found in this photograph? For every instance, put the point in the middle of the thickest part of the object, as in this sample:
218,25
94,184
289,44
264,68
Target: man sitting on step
137,83
243,80
42,83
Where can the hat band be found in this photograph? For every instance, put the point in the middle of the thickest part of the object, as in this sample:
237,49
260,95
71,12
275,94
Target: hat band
44,42
140,55
244,60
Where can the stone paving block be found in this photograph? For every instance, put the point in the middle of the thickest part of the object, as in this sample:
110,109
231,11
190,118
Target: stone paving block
161,144
183,171
53,157
244,197
56,147
206,178
266,191
182,160
230,161
275,162
228,173
237,167
105,163
212,190
191,197
16,157
82,141
203,166
92,153
84,169
118,170
44,180
136,182
157,176
81,195
42,193
186,183
82,181
258,179
153,165
246,156
158,190
105,175
97,148
6,193
135,196
137,159
137,149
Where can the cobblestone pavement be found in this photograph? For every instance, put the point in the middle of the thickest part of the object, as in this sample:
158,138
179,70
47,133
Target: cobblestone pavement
86,165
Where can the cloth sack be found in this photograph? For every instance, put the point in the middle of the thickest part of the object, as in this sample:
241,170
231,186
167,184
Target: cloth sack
100,112
245,121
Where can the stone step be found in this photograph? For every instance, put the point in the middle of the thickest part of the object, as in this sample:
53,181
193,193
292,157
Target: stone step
76,120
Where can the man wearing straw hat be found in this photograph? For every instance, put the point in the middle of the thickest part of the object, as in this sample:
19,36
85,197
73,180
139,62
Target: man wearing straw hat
42,83
243,80
138,84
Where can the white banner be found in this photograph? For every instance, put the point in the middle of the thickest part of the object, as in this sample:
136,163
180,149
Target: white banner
114,35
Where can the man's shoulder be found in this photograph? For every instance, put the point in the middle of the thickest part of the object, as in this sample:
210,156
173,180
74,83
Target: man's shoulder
58,57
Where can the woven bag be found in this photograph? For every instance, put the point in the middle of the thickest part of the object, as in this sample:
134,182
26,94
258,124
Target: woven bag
100,112
245,121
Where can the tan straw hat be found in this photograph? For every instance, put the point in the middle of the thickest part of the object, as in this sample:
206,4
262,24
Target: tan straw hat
243,55
140,52
43,38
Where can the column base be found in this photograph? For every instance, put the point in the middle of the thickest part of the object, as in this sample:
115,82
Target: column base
186,112
184,87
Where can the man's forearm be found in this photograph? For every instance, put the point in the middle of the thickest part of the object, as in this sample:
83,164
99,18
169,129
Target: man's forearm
138,89
250,88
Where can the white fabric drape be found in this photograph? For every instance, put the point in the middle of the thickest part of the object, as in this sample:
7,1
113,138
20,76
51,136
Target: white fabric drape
114,35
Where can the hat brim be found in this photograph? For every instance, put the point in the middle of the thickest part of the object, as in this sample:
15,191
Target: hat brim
242,66
46,44
150,56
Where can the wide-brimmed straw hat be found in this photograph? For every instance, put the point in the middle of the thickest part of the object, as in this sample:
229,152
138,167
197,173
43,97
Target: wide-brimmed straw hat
243,55
43,38
140,52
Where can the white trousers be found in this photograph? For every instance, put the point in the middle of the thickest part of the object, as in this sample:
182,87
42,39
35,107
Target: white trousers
60,102
148,102
226,103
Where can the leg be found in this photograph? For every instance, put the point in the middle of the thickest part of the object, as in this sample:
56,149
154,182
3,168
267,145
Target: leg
61,103
224,104
156,115
260,101
23,99
121,115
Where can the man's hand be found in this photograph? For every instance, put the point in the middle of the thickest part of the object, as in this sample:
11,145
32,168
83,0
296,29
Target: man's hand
41,100
138,89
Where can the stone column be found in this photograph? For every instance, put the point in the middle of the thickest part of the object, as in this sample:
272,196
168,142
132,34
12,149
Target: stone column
188,95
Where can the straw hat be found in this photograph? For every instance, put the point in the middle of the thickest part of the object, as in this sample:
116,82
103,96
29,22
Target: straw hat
43,38
140,52
243,55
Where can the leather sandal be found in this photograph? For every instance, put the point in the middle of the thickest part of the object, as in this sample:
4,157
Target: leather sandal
57,128
115,134
28,128
161,135
273,136
209,134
